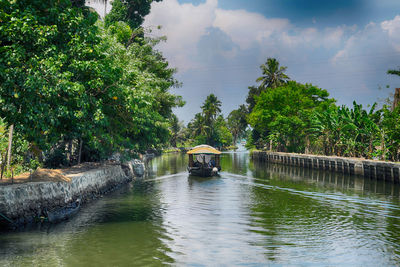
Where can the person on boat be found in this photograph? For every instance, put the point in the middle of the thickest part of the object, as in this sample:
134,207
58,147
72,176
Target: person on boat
211,163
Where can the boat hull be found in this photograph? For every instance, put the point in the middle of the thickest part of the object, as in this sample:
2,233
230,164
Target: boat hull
203,172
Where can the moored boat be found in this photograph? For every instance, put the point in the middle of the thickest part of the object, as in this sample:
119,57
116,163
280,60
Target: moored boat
204,160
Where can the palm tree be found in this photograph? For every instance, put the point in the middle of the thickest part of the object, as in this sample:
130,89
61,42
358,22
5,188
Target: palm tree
211,108
237,122
273,74
394,72
197,125
175,130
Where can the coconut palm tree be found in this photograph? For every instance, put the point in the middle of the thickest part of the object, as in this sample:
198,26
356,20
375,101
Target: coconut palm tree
175,130
273,74
211,108
197,125
237,122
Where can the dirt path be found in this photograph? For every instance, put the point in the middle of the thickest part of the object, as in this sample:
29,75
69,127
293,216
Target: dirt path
55,175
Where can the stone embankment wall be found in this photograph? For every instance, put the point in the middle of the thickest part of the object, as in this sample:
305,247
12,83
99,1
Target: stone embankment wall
23,203
382,170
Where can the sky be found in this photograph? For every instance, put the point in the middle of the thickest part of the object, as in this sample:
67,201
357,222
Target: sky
217,46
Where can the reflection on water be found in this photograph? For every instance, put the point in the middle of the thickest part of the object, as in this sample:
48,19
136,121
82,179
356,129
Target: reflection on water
253,214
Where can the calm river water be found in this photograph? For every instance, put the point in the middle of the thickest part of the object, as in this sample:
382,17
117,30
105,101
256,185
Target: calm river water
251,215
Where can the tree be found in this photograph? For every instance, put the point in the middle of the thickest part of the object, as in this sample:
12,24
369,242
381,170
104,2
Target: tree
394,72
391,128
254,92
211,108
64,77
129,11
119,12
273,74
237,122
348,132
283,115
46,57
222,136
175,128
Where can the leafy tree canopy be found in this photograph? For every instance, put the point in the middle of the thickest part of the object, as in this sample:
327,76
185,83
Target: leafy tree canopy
283,114
63,76
129,11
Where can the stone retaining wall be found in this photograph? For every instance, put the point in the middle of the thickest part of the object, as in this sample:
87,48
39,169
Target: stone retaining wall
23,203
382,170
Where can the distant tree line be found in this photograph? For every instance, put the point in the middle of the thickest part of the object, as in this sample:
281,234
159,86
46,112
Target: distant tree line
208,127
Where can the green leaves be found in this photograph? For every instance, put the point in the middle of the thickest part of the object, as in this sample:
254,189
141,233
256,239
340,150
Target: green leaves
285,113
64,77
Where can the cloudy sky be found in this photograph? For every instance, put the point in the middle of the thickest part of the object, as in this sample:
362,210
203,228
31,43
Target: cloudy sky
344,46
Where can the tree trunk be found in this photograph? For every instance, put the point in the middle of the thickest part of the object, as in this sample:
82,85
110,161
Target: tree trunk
396,99
80,151
10,137
3,165
69,153
105,9
383,156
307,145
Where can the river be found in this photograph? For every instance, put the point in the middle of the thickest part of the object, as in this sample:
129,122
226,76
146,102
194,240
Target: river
253,215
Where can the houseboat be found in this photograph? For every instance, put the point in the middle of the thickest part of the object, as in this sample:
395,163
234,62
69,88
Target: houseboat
204,160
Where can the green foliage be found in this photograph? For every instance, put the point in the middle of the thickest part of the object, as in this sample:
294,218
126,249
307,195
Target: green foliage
288,116
3,139
273,74
56,157
200,140
177,131
119,12
209,127
394,72
359,133
121,31
222,135
237,122
283,114
254,91
211,108
347,132
129,11
390,133
64,77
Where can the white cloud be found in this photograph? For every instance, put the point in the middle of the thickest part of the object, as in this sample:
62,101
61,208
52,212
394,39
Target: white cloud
392,27
245,27
375,40
349,61
183,24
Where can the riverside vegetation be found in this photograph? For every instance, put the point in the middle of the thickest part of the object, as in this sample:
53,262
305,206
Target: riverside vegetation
288,116
73,88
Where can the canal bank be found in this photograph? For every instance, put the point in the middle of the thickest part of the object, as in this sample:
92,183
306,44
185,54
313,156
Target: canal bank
381,170
59,193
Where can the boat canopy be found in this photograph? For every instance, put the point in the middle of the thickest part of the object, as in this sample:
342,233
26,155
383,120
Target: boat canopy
204,149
